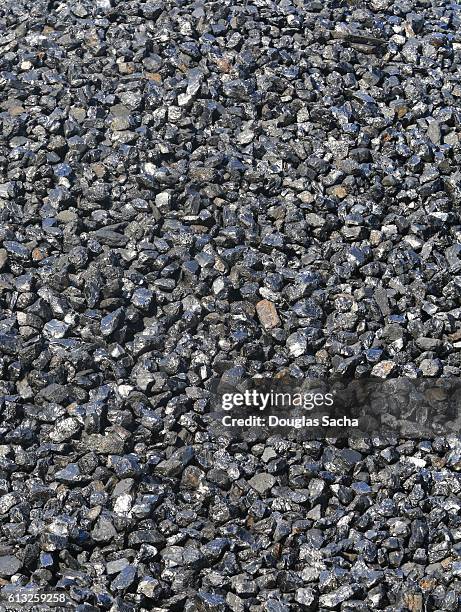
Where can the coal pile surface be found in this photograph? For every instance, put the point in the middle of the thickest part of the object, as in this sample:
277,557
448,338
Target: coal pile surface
191,190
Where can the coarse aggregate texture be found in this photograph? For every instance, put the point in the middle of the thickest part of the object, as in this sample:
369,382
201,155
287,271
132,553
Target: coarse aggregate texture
192,189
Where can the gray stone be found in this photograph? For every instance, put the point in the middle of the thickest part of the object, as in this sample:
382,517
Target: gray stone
263,482
9,565
104,530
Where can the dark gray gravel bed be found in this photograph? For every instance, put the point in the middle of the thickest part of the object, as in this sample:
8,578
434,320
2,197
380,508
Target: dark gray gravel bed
191,189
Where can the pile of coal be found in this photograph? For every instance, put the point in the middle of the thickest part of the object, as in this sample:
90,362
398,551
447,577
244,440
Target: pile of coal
191,189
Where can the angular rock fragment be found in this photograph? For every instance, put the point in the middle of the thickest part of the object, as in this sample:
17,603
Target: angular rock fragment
267,314
262,482
9,565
